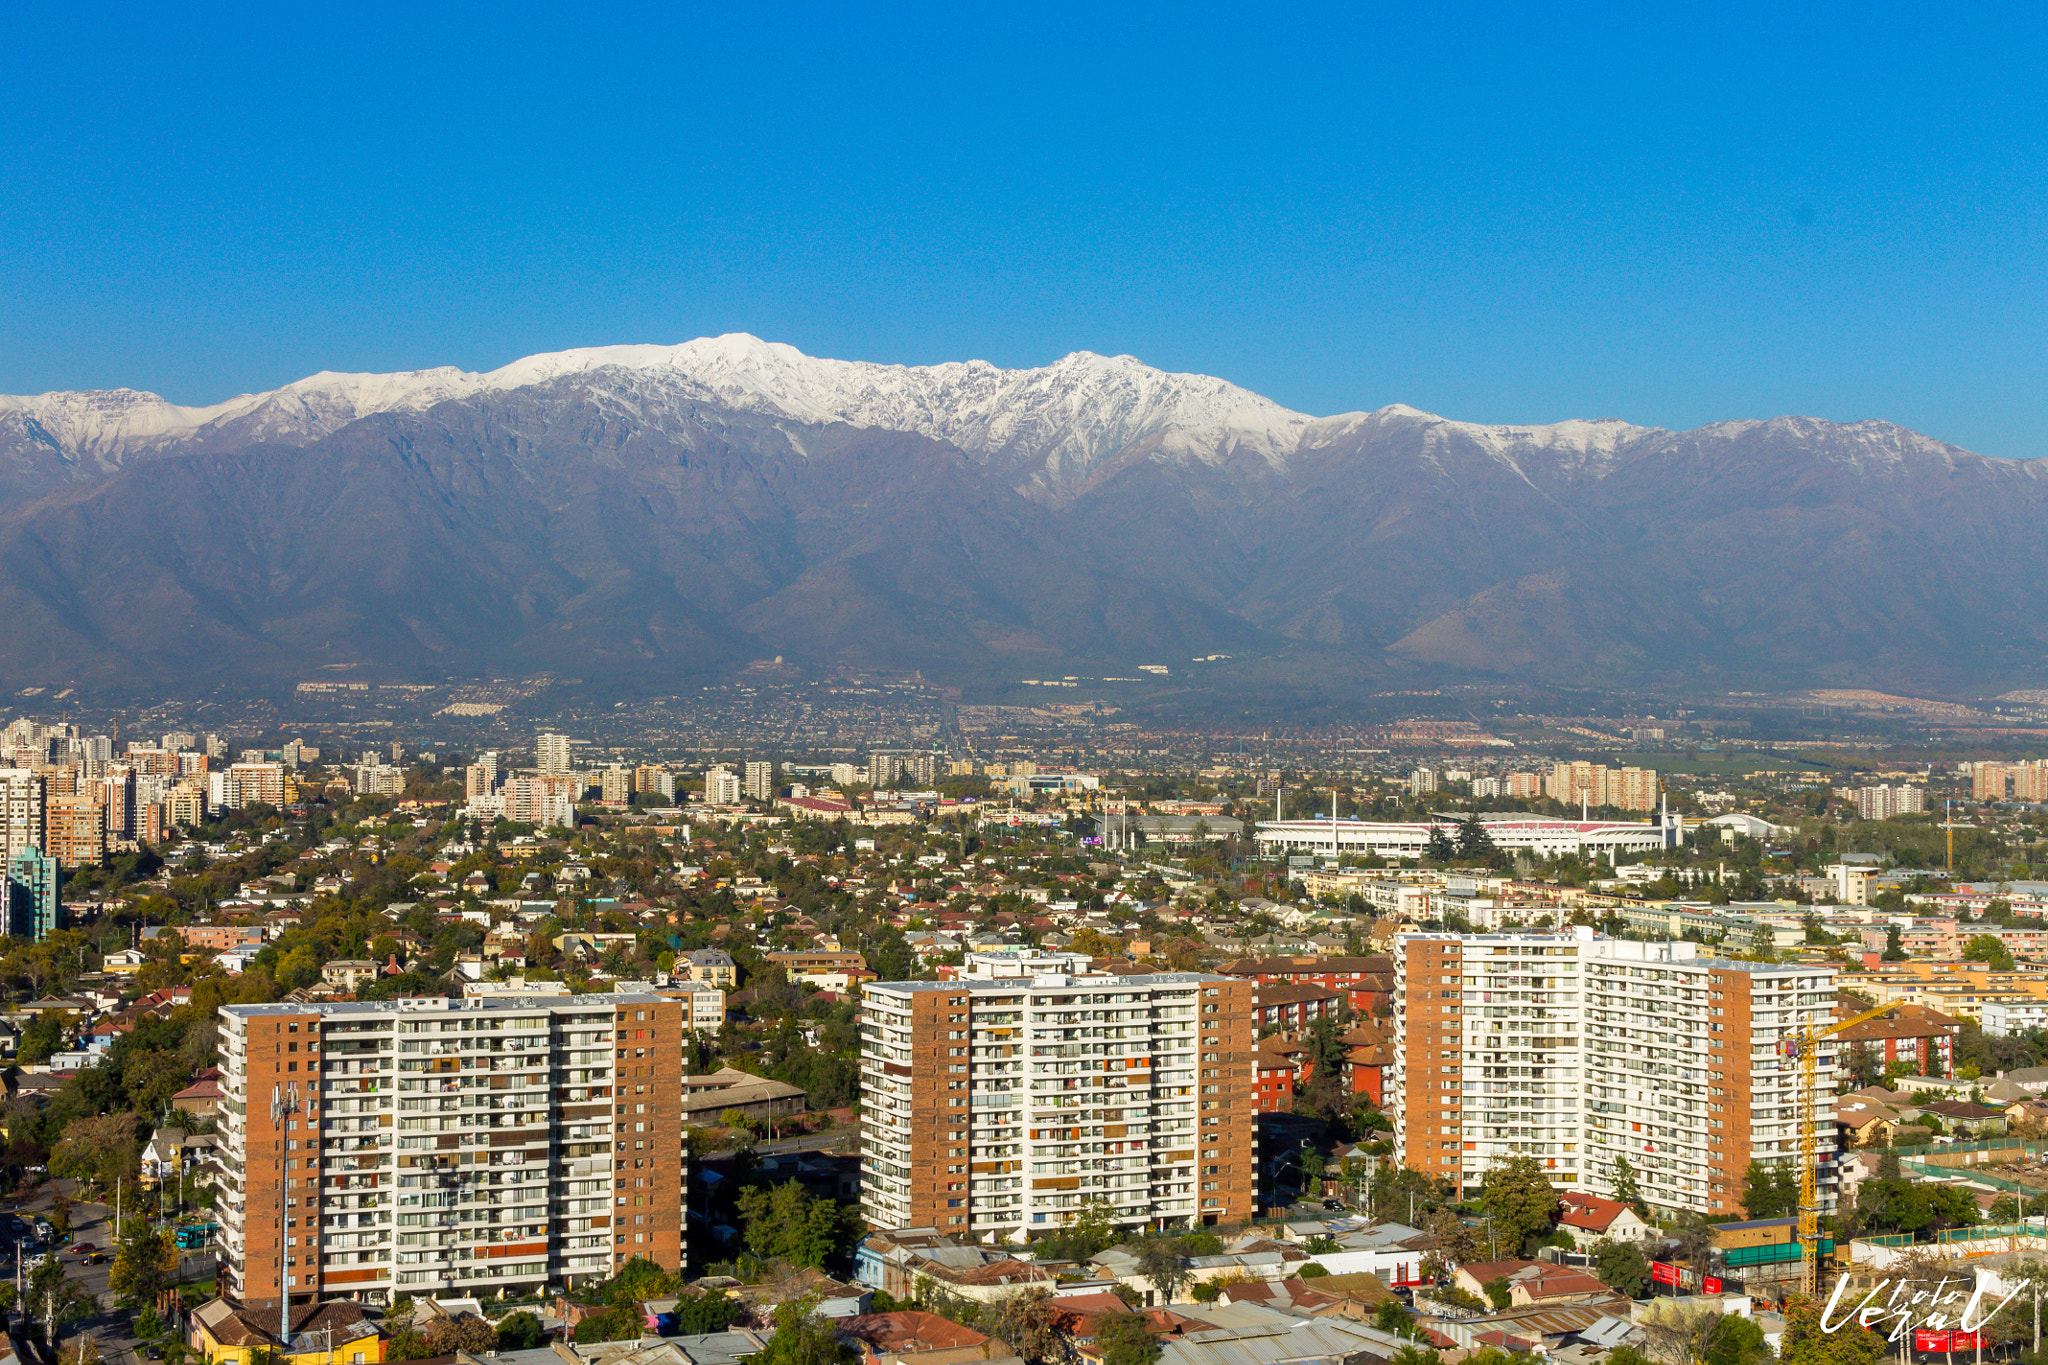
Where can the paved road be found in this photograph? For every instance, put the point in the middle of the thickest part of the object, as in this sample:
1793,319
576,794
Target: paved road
831,1139
90,1224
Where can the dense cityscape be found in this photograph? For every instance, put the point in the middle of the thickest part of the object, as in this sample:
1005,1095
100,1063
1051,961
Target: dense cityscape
1555,1038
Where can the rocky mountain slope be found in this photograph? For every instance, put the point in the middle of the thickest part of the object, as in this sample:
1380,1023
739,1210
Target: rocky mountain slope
629,511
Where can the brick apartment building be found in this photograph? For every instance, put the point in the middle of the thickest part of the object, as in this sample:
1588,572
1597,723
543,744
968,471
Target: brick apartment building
1576,1050
1000,1104
1367,983
1910,1034
449,1147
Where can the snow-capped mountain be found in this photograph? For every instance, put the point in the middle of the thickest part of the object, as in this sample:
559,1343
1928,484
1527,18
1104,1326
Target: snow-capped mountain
1054,429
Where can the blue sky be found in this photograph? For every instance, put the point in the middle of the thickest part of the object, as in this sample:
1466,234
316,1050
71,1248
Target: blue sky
1672,214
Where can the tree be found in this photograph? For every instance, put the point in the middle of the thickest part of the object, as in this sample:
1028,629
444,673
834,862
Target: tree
1805,1344
96,1150
1695,1237
1894,947
1988,949
786,1222
43,1036
1497,1292
1160,1262
520,1331
1680,1332
804,1337
1622,1188
465,1333
1768,1192
1521,1202
1024,1324
1763,945
1439,848
1621,1266
1475,841
1124,1339
144,1264
406,1344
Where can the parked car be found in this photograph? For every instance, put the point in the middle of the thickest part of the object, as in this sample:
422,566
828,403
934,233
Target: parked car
83,1247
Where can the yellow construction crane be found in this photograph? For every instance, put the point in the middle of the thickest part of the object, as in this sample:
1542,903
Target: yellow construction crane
1809,1155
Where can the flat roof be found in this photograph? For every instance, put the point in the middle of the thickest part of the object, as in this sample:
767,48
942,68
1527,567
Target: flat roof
1053,982
442,1005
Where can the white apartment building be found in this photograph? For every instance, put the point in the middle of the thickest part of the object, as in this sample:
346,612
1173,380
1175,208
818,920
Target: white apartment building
721,786
1004,1105
431,1146
760,781
551,753
1578,1050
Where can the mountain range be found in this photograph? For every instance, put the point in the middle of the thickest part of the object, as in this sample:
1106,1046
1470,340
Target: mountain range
659,512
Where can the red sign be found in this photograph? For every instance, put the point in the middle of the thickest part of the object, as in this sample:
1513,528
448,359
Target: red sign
1945,1341
1664,1274
1711,1284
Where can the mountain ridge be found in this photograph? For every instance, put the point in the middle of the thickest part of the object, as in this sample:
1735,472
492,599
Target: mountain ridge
610,510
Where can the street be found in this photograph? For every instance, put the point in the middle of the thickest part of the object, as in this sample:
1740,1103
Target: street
94,1224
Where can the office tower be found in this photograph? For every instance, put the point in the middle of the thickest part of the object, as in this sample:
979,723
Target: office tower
999,1104
721,786
77,830
552,754
615,785
33,909
431,1146
760,781
1576,1050
23,810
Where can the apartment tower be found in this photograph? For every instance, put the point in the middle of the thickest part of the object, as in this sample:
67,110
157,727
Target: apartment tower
430,1146
1580,1051
1006,1103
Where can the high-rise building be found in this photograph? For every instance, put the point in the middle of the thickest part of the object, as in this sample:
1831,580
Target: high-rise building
33,909
117,793
77,830
1000,1104
658,780
843,774
430,1146
1578,1051
1885,801
480,779
543,799
615,785
721,786
760,781
24,815
179,739
1422,781
887,767
552,753
262,784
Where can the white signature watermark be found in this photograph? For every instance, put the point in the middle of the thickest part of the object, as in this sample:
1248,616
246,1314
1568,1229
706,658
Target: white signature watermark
1931,1309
